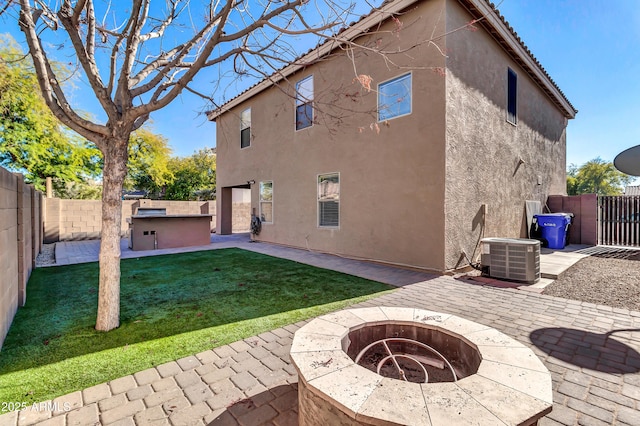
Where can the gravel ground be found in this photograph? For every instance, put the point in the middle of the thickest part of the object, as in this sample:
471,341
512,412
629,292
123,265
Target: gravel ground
602,280
47,256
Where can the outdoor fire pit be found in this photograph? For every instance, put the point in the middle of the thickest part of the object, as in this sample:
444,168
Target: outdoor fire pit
390,366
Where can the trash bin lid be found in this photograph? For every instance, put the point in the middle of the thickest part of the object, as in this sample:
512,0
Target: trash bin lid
553,214
566,217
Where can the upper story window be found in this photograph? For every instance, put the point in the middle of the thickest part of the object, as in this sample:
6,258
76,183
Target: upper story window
329,200
245,128
304,103
266,202
394,98
512,96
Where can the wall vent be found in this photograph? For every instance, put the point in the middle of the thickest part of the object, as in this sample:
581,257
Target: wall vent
511,259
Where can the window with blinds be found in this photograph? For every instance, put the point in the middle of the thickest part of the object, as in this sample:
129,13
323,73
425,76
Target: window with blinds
329,200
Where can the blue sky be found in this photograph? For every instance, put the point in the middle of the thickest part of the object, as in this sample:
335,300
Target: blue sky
591,48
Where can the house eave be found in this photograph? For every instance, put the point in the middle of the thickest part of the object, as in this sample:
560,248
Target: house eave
506,37
483,10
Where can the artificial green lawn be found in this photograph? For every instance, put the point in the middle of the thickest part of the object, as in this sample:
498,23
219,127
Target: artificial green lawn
171,306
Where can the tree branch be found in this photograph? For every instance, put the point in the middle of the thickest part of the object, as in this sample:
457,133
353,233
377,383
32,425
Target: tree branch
67,19
80,5
159,32
178,53
5,6
137,20
51,91
91,30
162,61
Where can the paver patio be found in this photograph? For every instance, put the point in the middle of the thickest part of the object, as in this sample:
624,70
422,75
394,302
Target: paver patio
592,352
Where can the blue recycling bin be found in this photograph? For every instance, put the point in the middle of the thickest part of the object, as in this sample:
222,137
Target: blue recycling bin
554,228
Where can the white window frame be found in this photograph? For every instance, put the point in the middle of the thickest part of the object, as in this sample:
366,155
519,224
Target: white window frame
243,127
319,201
261,201
304,99
515,115
389,81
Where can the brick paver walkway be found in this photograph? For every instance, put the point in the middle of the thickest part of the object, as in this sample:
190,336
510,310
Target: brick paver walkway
592,352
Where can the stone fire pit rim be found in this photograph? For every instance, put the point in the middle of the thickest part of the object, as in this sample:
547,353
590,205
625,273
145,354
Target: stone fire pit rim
511,385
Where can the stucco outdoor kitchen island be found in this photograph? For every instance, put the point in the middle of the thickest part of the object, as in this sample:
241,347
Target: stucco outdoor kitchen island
158,231
405,366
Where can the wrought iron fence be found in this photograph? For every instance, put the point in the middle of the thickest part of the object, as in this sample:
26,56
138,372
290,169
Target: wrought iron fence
619,220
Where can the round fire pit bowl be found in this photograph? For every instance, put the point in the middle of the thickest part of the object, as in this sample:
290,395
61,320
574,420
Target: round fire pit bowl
405,366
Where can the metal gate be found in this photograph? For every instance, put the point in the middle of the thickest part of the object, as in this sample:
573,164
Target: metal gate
619,220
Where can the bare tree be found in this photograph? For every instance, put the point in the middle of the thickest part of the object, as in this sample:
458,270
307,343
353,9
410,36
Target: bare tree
138,61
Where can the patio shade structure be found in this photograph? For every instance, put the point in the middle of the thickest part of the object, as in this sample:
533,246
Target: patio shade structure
628,161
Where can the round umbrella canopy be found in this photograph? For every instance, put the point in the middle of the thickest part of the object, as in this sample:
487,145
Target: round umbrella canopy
628,161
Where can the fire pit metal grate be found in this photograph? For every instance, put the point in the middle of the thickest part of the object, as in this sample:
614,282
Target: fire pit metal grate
417,360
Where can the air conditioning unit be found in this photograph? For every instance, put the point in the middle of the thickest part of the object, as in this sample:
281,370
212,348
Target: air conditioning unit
511,259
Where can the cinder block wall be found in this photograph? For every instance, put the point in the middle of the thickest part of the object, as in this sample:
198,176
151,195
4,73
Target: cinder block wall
37,219
584,228
9,249
26,260
241,217
71,220
20,243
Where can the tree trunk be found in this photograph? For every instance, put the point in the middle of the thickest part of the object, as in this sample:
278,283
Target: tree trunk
114,172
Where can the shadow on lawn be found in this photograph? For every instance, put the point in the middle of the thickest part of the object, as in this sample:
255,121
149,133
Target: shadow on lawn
164,296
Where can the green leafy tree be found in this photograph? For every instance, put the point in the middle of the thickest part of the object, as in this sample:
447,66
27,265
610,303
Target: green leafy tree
572,181
87,190
596,177
194,177
148,165
32,141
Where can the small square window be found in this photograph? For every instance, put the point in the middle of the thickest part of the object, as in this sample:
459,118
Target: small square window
394,98
304,103
245,128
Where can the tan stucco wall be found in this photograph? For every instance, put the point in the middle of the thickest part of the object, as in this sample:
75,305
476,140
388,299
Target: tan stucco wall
169,231
430,184
391,183
483,149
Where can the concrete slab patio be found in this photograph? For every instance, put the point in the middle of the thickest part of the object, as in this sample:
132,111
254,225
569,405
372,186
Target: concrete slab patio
554,263
593,353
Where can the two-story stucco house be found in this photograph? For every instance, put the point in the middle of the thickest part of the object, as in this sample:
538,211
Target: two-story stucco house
461,126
